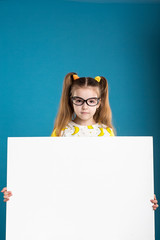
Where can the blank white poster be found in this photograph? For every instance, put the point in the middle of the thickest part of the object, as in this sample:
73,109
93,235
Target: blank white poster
80,188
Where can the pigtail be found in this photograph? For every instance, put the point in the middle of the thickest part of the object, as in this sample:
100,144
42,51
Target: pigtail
104,113
65,109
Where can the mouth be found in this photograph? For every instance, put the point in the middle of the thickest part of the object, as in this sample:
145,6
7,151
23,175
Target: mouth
84,112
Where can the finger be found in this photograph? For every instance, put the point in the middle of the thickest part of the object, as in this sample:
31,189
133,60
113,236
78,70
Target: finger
5,193
9,193
155,201
5,200
7,196
155,206
154,196
4,189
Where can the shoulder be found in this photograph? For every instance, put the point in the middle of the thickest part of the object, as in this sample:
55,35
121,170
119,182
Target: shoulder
54,133
64,131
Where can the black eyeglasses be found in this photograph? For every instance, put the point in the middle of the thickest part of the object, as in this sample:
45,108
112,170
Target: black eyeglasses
80,101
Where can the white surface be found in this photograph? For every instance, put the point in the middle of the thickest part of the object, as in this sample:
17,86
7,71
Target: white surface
80,188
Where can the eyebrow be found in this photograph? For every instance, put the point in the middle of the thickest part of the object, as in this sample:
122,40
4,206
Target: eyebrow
87,98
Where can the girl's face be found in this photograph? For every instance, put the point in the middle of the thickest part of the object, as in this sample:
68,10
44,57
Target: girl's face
85,113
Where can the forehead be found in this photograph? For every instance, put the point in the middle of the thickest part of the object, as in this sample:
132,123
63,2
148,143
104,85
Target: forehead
86,92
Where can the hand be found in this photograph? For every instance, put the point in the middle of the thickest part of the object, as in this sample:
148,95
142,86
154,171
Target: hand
155,205
7,194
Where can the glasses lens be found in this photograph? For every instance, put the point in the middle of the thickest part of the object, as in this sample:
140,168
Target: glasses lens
92,101
78,101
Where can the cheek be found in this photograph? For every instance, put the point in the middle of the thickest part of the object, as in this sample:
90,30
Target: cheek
94,110
76,108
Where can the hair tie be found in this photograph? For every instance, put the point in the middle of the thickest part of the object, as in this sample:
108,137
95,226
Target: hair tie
98,78
75,76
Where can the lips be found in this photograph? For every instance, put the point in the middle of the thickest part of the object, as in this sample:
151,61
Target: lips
84,112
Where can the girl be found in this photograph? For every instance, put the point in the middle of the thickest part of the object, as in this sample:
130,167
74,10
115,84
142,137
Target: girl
85,101
84,111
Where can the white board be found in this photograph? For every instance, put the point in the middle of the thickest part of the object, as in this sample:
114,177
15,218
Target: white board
80,188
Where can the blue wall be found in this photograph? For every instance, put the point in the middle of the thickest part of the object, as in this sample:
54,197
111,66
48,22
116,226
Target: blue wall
41,41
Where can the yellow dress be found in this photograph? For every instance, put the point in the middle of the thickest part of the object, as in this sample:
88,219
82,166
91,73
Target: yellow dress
75,130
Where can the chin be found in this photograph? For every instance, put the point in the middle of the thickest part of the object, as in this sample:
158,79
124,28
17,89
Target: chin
85,119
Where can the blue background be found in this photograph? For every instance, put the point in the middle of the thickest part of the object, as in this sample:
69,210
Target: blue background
41,41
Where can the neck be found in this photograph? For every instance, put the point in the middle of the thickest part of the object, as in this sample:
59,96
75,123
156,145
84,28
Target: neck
84,122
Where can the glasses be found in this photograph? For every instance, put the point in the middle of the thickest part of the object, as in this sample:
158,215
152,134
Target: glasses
80,101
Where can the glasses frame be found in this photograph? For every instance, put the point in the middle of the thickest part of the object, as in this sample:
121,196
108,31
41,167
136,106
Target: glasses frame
72,98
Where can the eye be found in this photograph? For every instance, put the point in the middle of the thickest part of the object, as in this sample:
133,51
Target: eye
78,100
92,101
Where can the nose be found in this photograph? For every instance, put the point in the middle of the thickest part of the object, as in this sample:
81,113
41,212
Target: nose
84,106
